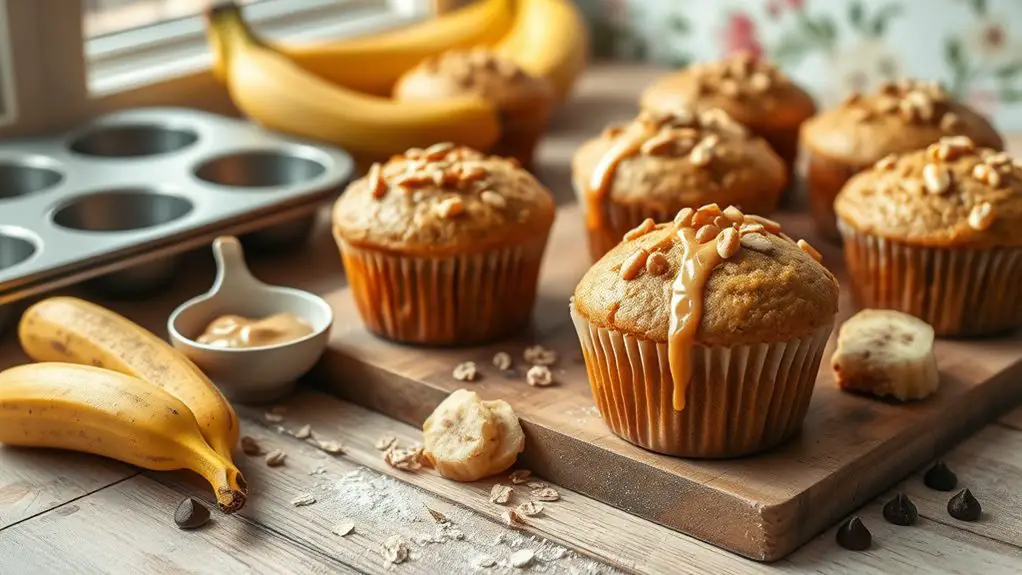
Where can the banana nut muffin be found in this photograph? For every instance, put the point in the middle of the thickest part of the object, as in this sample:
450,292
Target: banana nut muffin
703,337
752,90
898,118
660,163
525,101
443,245
937,233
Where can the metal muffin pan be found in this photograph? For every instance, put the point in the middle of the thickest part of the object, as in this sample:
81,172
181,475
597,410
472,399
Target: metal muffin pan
146,179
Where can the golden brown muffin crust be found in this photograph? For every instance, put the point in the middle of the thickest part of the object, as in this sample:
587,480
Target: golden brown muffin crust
952,194
752,90
476,72
667,173
770,290
898,118
443,200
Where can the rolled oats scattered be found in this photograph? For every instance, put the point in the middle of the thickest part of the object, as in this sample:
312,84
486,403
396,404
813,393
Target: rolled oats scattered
707,233
450,207
529,508
404,459
936,178
493,199
633,264
330,446
303,500
521,558
273,417
656,264
344,528
275,458
981,217
813,252
684,217
484,562
384,443
377,186
502,360
512,518
304,432
539,355
640,230
394,550
249,446
500,493
536,485
539,376
728,243
520,476
546,494
465,371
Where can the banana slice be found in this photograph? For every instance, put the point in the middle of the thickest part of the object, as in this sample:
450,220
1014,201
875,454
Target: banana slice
511,438
886,352
460,436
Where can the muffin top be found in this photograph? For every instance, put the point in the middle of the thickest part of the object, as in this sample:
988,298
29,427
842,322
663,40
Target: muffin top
678,158
443,200
475,72
753,91
897,118
762,286
952,194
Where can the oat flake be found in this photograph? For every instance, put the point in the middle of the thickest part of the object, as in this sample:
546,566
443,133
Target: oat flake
519,476
344,528
304,432
275,458
394,550
546,494
385,442
303,500
530,508
521,558
500,494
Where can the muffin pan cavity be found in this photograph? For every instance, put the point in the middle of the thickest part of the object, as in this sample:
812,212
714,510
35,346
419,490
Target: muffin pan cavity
114,202
133,140
260,169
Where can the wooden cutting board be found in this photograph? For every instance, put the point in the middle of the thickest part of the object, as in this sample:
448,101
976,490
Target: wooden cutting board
763,507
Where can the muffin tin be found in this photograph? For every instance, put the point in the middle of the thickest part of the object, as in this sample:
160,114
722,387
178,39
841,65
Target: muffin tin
97,199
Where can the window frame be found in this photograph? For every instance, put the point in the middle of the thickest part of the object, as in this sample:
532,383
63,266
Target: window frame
59,78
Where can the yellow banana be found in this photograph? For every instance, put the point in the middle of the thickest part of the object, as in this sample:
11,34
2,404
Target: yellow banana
84,408
372,64
549,38
76,331
274,91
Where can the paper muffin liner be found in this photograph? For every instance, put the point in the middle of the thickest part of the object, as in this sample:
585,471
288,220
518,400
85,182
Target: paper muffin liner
449,300
740,400
619,219
824,179
958,292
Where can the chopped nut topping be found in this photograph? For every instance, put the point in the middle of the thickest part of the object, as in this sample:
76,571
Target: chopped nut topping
998,159
304,432
413,180
759,82
981,217
530,508
887,162
908,111
684,217
949,121
275,458
377,185
912,186
539,376
937,179
328,446
728,243
465,371
512,519
493,199
473,174
656,264
752,229
804,246
707,233
734,214
659,145
500,494
723,221
640,230
959,145
502,360
539,355
384,443
437,151
770,225
546,494
987,174
886,105
756,242
450,207
635,262
728,88
520,476
249,446
394,550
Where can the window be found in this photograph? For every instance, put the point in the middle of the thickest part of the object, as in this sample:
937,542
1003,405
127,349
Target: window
69,60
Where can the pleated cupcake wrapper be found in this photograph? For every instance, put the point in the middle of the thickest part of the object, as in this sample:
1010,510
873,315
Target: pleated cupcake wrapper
740,400
958,292
461,299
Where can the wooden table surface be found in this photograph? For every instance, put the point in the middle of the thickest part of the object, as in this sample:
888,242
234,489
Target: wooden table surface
71,513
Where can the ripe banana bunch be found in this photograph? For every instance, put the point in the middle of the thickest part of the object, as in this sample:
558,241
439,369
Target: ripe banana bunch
886,352
278,93
83,408
65,329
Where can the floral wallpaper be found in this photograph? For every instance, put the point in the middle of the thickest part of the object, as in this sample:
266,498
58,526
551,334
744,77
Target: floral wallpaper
974,47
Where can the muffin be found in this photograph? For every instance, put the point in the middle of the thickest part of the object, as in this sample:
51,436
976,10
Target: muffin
937,233
703,337
900,117
753,91
525,101
662,162
443,245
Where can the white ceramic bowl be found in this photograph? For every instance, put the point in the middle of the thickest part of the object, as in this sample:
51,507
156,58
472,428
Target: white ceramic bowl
255,374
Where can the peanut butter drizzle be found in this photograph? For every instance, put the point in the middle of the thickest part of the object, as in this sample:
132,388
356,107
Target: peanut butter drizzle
599,183
697,263
236,332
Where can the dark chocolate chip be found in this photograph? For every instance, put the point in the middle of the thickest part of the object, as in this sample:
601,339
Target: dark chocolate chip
900,510
941,478
853,535
191,514
964,506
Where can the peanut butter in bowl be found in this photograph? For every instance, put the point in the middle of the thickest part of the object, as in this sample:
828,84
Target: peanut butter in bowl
238,332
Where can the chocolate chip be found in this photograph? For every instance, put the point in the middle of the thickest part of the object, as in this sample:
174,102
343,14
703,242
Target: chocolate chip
964,506
900,510
854,535
941,478
191,514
